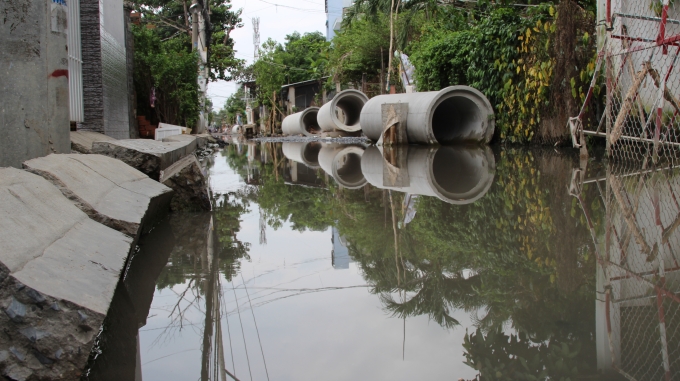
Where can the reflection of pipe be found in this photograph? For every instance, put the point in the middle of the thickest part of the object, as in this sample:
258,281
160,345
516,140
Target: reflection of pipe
301,123
306,153
454,114
343,163
350,102
457,175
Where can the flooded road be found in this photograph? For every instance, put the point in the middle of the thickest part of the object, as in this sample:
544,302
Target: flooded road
337,262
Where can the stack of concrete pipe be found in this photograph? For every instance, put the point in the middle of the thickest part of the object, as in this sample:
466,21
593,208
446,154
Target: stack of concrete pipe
453,115
301,123
350,102
454,174
456,114
314,120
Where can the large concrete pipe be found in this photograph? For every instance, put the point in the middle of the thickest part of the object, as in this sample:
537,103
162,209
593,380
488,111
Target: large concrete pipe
236,130
455,174
343,163
350,102
454,114
301,123
305,153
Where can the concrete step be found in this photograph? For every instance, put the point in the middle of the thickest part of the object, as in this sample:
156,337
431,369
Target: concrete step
81,141
108,190
147,156
59,270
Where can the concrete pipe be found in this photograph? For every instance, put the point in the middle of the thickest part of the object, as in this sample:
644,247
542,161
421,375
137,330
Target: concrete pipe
343,163
350,102
301,123
236,130
454,114
305,153
454,174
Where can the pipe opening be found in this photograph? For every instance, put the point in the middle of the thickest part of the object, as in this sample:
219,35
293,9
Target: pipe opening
455,118
310,153
461,178
310,124
350,106
349,169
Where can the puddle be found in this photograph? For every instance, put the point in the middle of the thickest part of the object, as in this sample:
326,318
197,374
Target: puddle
348,262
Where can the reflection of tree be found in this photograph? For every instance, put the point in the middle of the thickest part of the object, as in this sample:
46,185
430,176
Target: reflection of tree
521,255
304,207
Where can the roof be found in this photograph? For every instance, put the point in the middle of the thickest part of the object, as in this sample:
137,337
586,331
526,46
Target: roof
311,81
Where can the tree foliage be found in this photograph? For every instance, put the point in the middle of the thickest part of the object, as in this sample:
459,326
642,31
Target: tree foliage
167,71
300,58
165,63
362,48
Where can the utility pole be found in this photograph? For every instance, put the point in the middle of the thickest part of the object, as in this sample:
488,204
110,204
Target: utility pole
256,37
200,44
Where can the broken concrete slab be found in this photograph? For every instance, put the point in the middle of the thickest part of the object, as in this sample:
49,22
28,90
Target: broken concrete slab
204,139
147,156
81,141
191,188
58,273
108,190
189,139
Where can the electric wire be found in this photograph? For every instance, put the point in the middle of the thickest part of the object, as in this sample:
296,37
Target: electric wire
256,329
226,318
242,331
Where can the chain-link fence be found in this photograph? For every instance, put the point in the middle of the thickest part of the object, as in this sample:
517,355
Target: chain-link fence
638,274
640,59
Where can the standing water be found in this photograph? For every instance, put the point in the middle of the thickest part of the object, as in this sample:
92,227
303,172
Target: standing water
347,262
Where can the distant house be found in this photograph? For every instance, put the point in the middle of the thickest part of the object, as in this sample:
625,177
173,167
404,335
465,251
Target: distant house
299,96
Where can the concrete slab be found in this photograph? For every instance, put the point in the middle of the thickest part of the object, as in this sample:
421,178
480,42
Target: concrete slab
189,139
204,139
59,270
147,156
108,190
81,141
187,180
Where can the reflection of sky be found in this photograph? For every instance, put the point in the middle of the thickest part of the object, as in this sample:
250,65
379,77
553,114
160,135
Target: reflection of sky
331,335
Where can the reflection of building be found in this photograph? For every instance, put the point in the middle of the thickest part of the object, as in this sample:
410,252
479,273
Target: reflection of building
340,255
299,174
303,164
299,96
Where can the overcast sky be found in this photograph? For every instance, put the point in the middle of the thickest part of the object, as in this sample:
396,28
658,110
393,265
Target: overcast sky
277,19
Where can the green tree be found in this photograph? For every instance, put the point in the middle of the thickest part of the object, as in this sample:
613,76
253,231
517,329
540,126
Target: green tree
300,58
361,48
165,64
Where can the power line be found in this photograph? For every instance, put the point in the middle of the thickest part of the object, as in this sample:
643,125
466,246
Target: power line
256,329
310,10
242,332
226,315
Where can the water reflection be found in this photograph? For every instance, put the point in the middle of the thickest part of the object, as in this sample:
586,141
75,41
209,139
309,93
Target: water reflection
637,270
343,163
534,266
458,175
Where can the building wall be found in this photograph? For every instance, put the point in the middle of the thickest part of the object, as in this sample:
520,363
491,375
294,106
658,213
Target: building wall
105,68
333,12
34,117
